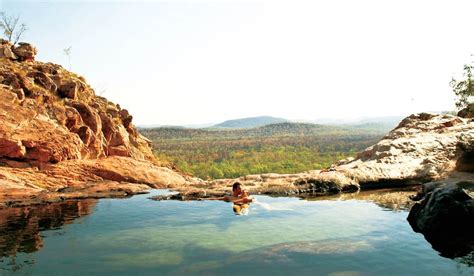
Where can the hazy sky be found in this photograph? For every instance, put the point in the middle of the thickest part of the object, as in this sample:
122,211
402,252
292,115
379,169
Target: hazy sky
191,62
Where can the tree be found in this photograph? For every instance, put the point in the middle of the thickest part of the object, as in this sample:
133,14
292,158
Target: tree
11,27
464,88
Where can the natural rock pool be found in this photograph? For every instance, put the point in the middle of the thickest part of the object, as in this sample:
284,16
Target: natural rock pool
366,234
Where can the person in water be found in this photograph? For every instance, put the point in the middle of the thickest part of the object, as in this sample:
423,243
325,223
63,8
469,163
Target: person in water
239,195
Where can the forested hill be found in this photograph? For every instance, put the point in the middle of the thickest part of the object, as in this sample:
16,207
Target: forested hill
279,148
250,122
272,130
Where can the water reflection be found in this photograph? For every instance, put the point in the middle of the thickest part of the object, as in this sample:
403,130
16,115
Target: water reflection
20,227
390,199
241,209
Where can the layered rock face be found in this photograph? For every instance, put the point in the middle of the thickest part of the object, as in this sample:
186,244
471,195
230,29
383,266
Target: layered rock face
422,148
56,133
52,115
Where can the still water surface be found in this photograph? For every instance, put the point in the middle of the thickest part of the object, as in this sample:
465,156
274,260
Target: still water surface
279,236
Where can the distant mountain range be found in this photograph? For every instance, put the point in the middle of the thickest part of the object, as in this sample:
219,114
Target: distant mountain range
286,129
386,123
250,122
382,123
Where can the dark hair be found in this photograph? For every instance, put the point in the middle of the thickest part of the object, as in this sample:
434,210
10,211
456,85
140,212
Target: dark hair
236,185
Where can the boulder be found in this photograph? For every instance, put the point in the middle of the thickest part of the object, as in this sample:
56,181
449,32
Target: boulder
11,148
6,50
445,216
43,80
68,90
86,135
25,51
126,117
465,151
17,81
73,119
88,115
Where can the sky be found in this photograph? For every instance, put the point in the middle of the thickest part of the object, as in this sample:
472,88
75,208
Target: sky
195,62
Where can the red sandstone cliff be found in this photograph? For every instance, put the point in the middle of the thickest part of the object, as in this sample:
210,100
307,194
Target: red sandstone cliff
59,140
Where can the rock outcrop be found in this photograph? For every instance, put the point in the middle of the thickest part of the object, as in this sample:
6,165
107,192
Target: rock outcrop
59,140
423,147
444,213
445,216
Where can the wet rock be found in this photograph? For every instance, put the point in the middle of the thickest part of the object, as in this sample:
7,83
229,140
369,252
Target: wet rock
167,197
315,186
445,216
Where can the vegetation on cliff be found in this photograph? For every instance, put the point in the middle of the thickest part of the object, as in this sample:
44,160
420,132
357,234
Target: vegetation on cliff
464,90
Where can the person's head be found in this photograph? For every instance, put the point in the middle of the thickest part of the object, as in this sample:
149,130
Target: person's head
236,188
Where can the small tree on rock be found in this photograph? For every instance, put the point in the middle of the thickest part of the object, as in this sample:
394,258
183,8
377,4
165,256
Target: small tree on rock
464,88
11,27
